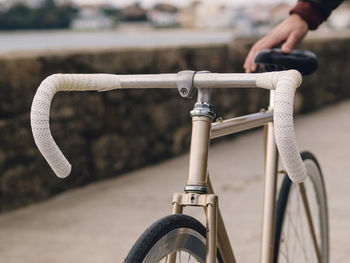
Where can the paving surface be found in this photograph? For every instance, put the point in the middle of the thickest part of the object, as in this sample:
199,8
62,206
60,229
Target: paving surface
100,222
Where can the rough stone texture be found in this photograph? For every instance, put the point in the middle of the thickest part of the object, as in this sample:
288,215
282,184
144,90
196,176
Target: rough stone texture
105,134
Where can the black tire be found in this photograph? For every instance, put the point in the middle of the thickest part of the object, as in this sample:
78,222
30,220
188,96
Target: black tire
297,246
173,233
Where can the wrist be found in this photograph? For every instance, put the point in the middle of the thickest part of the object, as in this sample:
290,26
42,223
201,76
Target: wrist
299,20
309,13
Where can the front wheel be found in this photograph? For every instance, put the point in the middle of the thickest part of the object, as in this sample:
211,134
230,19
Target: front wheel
293,241
175,234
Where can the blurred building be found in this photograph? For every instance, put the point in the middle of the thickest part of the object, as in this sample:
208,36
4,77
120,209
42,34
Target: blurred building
243,25
206,15
90,17
29,3
258,19
32,3
211,15
187,15
134,13
279,12
164,15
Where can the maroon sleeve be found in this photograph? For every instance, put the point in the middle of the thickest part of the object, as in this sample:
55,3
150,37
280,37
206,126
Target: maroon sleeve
310,13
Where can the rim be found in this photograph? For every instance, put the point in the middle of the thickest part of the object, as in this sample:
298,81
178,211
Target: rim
296,242
189,246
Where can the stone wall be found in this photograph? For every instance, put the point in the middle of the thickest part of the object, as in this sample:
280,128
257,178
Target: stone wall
106,134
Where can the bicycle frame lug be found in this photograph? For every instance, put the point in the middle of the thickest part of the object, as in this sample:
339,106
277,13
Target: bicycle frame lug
194,199
196,189
185,83
219,119
203,109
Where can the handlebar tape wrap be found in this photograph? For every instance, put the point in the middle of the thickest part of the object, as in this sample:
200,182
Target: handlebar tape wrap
40,111
287,82
284,83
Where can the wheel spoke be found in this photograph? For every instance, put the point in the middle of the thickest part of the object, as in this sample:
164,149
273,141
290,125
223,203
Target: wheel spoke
180,256
295,241
296,232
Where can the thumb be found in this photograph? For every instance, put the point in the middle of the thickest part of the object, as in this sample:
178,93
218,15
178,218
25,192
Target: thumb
291,41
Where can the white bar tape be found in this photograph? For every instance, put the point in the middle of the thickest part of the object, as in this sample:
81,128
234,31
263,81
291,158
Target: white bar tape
267,80
287,83
40,111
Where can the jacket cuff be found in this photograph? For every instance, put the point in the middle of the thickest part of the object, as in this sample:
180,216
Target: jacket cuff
311,14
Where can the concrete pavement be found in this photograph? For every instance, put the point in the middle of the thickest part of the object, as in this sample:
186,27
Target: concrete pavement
100,222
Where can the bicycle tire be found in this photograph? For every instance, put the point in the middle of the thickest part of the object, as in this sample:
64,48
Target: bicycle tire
298,246
174,233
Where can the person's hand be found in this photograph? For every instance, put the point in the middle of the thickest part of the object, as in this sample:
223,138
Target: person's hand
290,32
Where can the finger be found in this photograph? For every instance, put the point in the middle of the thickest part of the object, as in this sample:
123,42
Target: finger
290,43
269,41
253,66
249,64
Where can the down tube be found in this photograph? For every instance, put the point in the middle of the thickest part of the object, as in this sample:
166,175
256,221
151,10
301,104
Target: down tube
269,208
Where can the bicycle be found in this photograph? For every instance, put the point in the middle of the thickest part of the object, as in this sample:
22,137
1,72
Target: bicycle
181,237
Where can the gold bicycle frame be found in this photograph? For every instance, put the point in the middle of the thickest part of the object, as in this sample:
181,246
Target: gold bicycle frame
199,191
